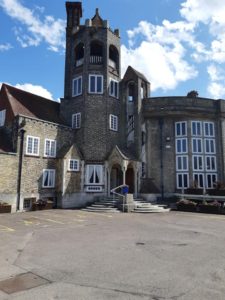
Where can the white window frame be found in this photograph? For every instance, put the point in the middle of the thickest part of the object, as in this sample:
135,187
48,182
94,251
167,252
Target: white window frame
51,149
33,151
51,178
96,76
203,179
214,146
182,158
180,124
198,158
94,167
177,180
78,90
213,129
113,122
206,180
210,157
2,117
73,165
182,150
197,140
76,121
196,123
114,88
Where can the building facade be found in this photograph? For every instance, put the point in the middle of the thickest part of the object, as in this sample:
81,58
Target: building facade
106,131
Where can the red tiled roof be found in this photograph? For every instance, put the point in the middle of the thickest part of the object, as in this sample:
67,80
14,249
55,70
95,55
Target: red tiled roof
30,105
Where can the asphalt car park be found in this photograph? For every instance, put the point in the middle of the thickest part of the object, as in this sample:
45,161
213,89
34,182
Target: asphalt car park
72,254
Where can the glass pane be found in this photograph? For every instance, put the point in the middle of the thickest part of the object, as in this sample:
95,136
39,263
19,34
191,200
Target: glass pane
184,146
183,128
75,87
92,83
179,165
178,146
178,129
99,84
116,89
185,181
200,180
79,86
180,181
194,128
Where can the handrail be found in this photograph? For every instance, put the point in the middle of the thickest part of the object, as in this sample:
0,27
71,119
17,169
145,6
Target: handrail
118,187
113,191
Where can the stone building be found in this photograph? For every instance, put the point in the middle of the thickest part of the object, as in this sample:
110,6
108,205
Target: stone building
106,131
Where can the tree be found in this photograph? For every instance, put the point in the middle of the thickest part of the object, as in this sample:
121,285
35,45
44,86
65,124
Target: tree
192,94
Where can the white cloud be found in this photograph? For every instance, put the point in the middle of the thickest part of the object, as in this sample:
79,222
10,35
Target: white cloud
211,13
5,47
35,89
159,53
49,29
216,90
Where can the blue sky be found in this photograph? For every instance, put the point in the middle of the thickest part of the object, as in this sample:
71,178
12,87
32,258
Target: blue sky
178,44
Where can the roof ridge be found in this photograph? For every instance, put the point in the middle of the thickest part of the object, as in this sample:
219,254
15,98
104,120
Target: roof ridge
8,87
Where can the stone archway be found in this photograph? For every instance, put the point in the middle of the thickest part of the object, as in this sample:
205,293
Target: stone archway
116,176
130,179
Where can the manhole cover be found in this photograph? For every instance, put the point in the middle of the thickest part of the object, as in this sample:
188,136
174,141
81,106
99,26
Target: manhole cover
21,282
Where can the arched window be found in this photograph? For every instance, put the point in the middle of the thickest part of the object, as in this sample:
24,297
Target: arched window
96,53
79,55
113,57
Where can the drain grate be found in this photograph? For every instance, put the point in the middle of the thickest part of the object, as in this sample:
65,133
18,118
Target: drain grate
21,282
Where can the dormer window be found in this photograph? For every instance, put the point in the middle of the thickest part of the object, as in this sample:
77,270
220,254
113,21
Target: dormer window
2,117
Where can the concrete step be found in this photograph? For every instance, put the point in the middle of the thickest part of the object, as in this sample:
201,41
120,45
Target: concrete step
105,210
150,210
102,206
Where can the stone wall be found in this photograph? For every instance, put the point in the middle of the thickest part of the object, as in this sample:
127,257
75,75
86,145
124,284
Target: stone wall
8,181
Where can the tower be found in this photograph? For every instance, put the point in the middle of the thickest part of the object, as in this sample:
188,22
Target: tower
91,103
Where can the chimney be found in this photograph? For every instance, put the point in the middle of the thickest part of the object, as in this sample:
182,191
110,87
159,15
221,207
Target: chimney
74,13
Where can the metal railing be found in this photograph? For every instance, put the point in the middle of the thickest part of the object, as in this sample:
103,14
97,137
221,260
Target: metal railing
113,191
96,60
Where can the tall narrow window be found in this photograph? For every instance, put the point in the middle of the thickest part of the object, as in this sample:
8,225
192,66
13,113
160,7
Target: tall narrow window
32,146
48,180
181,129
2,117
196,128
113,123
76,120
95,84
182,180
77,86
114,88
50,148
209,129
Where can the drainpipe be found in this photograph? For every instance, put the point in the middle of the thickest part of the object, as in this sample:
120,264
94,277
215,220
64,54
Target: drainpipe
161,158
21,134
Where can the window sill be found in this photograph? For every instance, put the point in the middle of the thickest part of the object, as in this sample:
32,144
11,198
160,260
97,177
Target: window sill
32,155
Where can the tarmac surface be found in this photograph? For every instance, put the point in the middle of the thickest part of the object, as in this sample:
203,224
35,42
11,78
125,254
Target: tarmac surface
71,254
